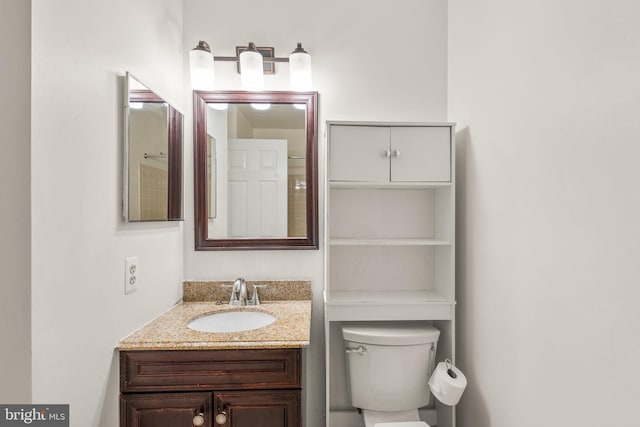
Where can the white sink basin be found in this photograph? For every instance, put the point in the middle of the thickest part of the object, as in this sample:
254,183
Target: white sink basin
231,321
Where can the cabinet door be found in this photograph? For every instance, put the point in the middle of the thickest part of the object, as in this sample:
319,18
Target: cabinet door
359,153
165,410
264,408
420,154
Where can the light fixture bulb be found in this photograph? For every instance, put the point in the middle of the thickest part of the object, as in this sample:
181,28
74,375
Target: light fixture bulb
220,106
201,67
251,69
261,107
300,69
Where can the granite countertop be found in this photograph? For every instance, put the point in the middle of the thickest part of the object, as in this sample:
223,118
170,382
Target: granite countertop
170,332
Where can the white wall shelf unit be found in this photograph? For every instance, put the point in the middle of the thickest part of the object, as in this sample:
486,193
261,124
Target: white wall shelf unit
389,241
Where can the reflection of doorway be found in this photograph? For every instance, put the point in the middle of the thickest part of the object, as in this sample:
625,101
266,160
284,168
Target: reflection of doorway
257,187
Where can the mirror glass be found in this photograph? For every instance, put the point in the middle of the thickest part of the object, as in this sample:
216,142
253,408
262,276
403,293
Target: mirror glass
256,170
152,156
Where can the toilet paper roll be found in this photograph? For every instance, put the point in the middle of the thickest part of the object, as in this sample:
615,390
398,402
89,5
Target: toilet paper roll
447,383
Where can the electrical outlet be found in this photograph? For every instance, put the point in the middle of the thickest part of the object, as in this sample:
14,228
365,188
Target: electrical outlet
130,274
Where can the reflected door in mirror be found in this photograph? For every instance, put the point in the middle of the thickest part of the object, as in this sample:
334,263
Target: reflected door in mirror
257,180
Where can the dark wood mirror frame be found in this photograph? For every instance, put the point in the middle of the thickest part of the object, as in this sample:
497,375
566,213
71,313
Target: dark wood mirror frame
200,101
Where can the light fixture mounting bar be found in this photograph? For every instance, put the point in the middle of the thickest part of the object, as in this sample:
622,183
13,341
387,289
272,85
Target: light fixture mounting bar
264,58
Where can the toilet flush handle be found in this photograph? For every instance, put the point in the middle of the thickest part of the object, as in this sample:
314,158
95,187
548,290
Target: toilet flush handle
359,350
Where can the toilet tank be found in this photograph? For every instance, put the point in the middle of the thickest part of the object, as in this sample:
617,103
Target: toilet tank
389,363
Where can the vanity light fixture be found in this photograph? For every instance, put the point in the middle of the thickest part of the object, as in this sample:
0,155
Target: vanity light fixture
253,63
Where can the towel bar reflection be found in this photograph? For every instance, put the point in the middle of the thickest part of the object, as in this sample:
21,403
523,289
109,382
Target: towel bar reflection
156,156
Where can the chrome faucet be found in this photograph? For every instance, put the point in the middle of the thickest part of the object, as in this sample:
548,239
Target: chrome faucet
242,291
239,293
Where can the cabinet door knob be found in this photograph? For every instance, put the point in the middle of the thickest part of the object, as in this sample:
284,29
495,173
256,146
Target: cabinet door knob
387,153
221,418
396,153
198,420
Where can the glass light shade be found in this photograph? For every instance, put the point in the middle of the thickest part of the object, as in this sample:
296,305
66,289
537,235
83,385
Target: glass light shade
300,69
251,69
201,67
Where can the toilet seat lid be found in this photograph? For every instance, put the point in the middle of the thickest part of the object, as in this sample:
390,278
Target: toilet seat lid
403,424
390,333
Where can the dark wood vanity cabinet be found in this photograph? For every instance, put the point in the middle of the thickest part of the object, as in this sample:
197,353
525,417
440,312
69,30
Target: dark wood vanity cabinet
210,388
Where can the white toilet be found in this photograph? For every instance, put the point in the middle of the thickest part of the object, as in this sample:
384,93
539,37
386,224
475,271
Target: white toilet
388,365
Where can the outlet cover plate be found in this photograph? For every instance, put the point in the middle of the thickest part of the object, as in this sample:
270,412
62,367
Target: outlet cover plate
131,274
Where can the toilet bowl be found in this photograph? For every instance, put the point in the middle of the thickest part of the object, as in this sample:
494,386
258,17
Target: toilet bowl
388,366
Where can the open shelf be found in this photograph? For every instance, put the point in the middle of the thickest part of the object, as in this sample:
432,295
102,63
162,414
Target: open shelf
385,305
388,242
386,297
388,185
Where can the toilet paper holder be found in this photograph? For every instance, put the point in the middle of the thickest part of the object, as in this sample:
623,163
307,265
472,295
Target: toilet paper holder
449,365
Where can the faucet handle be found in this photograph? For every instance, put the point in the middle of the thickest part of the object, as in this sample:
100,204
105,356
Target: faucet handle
255,299
234,296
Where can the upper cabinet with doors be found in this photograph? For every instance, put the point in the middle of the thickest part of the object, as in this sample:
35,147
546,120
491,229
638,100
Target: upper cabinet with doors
408,153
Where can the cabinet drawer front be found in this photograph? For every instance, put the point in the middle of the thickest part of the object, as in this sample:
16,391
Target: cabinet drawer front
209,369
421,154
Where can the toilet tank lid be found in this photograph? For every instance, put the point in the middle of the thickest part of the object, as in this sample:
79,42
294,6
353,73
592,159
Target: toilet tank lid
390,333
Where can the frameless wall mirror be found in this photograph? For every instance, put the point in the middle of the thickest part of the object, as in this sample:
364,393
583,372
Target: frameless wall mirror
256,173
152,156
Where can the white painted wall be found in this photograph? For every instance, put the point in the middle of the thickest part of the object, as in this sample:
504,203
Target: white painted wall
15,196
547,96
80,49
375,60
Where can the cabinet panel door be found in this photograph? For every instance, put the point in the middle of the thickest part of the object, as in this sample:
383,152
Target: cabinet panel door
420,154
264,408
164,409
357,153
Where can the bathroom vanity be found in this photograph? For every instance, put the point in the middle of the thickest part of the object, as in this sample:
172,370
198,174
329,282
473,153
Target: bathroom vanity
210,387
390,242
171,375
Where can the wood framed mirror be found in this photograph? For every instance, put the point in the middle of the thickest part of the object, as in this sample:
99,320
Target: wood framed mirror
256,170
